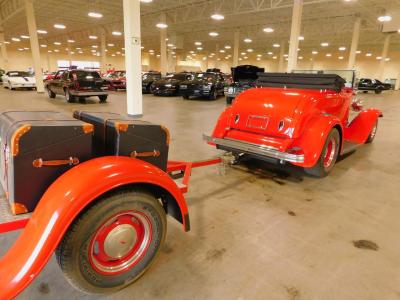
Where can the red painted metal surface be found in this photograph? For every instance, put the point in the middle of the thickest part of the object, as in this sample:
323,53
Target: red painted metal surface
13,225
293,120
60,205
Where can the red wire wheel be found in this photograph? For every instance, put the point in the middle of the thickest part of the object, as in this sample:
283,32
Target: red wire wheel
120,243
113,242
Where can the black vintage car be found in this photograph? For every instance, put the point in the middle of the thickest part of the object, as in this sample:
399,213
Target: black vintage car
244,77
207,84
77,84
148,79
169,85
375,85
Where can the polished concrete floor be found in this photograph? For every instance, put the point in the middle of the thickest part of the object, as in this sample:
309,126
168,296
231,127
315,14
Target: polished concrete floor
261,234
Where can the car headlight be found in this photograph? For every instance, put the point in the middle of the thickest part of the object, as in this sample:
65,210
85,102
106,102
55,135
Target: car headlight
168,85
207,87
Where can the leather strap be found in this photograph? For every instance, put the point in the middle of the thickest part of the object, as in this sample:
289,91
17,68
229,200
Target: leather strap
38,163
154,153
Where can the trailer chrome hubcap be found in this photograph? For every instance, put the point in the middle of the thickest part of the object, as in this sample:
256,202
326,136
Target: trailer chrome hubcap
330,153
120,243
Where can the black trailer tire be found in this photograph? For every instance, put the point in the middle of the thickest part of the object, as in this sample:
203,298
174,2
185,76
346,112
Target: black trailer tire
51,94
372,134
113,242
328,156
103,98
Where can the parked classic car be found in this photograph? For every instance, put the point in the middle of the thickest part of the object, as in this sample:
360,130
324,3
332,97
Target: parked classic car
148,79
18,79
375,85
116,80
169,85
207,84
302,119
77,84
244,77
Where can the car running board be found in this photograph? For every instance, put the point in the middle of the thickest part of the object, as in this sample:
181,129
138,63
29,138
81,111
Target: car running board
349,147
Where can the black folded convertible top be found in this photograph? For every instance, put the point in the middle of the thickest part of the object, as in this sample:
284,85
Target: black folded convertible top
301,81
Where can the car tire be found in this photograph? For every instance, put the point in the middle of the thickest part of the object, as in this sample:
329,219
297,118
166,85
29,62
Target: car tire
229,100
103,98
113,242
372,134
68,96
186,97
214,95
51,94
328,157
82,100
378,91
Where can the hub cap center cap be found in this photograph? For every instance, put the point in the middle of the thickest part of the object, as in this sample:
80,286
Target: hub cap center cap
120,241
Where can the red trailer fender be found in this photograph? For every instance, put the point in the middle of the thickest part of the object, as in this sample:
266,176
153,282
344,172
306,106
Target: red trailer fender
61,204
360,128
312,141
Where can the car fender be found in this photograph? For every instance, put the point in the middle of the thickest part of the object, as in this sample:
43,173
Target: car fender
312,140
361,126
222,124
62,203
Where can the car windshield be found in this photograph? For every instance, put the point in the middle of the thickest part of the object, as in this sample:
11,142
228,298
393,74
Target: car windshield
177,76
205,76
19,74
151,76
86,75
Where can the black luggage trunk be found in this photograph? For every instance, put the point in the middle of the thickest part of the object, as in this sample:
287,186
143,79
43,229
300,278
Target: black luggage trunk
36,148
117,135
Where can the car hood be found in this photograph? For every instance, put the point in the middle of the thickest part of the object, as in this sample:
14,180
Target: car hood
273,111
246,72
22,79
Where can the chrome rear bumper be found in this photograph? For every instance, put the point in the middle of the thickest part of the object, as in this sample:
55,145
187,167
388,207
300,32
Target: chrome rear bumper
255,149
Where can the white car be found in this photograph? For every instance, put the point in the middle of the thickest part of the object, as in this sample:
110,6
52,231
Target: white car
18,79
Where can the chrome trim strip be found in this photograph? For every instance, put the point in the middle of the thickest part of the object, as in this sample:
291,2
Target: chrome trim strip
88,93
255,149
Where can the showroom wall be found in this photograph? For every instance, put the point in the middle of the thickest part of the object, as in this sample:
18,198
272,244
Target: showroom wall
366,66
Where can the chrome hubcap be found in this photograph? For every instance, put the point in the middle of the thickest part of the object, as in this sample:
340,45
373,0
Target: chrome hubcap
120,241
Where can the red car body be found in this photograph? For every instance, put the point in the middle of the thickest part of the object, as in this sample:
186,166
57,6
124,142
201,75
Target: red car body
292,124
116,80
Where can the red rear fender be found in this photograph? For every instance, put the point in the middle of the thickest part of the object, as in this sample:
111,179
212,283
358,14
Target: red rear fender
61,204
360,128
312,140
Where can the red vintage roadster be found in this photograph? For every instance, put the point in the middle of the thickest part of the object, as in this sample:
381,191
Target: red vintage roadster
302,119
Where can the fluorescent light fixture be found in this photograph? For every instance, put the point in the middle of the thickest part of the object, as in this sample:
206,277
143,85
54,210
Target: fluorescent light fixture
198,43
222,51
214,34
314,52
146,1
300,57
217,17
247,40
95,46
93,37
199,48
379,57
161,25
116,33
358,51
15,39
228,47
276,45
250,50
387,59
93,14
324,44
57,43
40,31
342,48
270,53
368,54
43,46
56,50
71,41
268,30
285,55
59,26
341,57
328,55
112,45
259,55
385,18
301,38
24,37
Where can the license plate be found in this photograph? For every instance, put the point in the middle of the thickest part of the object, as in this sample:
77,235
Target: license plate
257,122
196,91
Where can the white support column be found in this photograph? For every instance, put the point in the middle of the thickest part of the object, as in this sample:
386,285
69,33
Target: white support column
236,45
3,50
294,34
103,53
30,16
282,57
163,47
133,57
384,55
354,44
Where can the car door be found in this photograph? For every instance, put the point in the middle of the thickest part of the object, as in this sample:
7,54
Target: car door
54,84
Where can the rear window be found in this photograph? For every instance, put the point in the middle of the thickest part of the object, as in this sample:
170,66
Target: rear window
86,75
19,74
